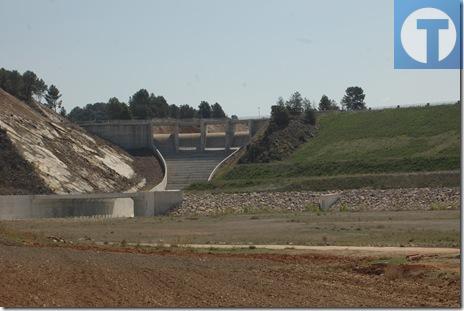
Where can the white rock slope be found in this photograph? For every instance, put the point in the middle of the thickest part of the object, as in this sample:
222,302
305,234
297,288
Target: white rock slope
67,159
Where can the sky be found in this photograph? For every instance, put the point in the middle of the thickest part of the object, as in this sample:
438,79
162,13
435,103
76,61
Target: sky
243,54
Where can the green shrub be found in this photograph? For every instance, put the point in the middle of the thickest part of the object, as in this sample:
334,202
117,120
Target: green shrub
312,207
279,116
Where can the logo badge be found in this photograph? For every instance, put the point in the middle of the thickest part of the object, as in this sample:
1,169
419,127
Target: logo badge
427,34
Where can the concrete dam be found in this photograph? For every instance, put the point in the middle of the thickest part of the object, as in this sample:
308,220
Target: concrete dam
192,148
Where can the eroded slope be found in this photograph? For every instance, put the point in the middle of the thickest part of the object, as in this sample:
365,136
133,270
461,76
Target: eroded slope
65,157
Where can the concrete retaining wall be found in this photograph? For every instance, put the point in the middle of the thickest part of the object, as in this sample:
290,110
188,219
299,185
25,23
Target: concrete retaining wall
327,200
127,134
162,185
35,206
211,176
167,200
90,205
136,134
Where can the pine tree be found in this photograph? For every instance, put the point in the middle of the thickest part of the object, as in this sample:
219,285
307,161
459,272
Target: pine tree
354,98
295,104
217,112
204,110
52,98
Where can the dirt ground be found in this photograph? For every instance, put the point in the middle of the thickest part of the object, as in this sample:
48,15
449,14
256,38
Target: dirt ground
80,277
103,263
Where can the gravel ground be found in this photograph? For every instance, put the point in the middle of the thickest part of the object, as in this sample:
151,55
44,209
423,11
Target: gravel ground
207,203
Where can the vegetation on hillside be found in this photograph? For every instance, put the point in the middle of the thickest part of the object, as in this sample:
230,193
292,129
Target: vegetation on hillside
291,124
337,182
326,104
278,143
28,87
419,139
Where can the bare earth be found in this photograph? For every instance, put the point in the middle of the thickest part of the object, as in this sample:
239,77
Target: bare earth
115,262
124,277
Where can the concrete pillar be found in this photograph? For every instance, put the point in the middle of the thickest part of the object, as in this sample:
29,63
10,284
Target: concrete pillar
144,204
202,135
149,135
176,137
229,138
251,128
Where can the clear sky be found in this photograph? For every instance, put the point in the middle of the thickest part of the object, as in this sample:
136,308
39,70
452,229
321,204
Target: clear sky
243,54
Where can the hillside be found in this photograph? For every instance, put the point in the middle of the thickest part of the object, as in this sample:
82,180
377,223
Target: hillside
352,144
24,180
42,153
276,142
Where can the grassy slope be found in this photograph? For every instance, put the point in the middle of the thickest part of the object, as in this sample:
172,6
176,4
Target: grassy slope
431,132
419,139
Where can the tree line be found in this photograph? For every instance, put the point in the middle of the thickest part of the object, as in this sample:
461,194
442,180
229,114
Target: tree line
144,105
297,106
28,87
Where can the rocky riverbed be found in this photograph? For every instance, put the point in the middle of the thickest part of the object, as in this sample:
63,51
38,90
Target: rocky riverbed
208,203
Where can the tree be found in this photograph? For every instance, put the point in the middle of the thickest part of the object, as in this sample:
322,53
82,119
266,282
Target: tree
115,110
140,105
354,98
76,114
324,103
280,116
32,85
310,115
91,112
52,98
234,117
39,89
306,104
204,110
12,83
159,106
24,86
295,104
333,105
217,112
63,112
186,112
173,111
97,111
